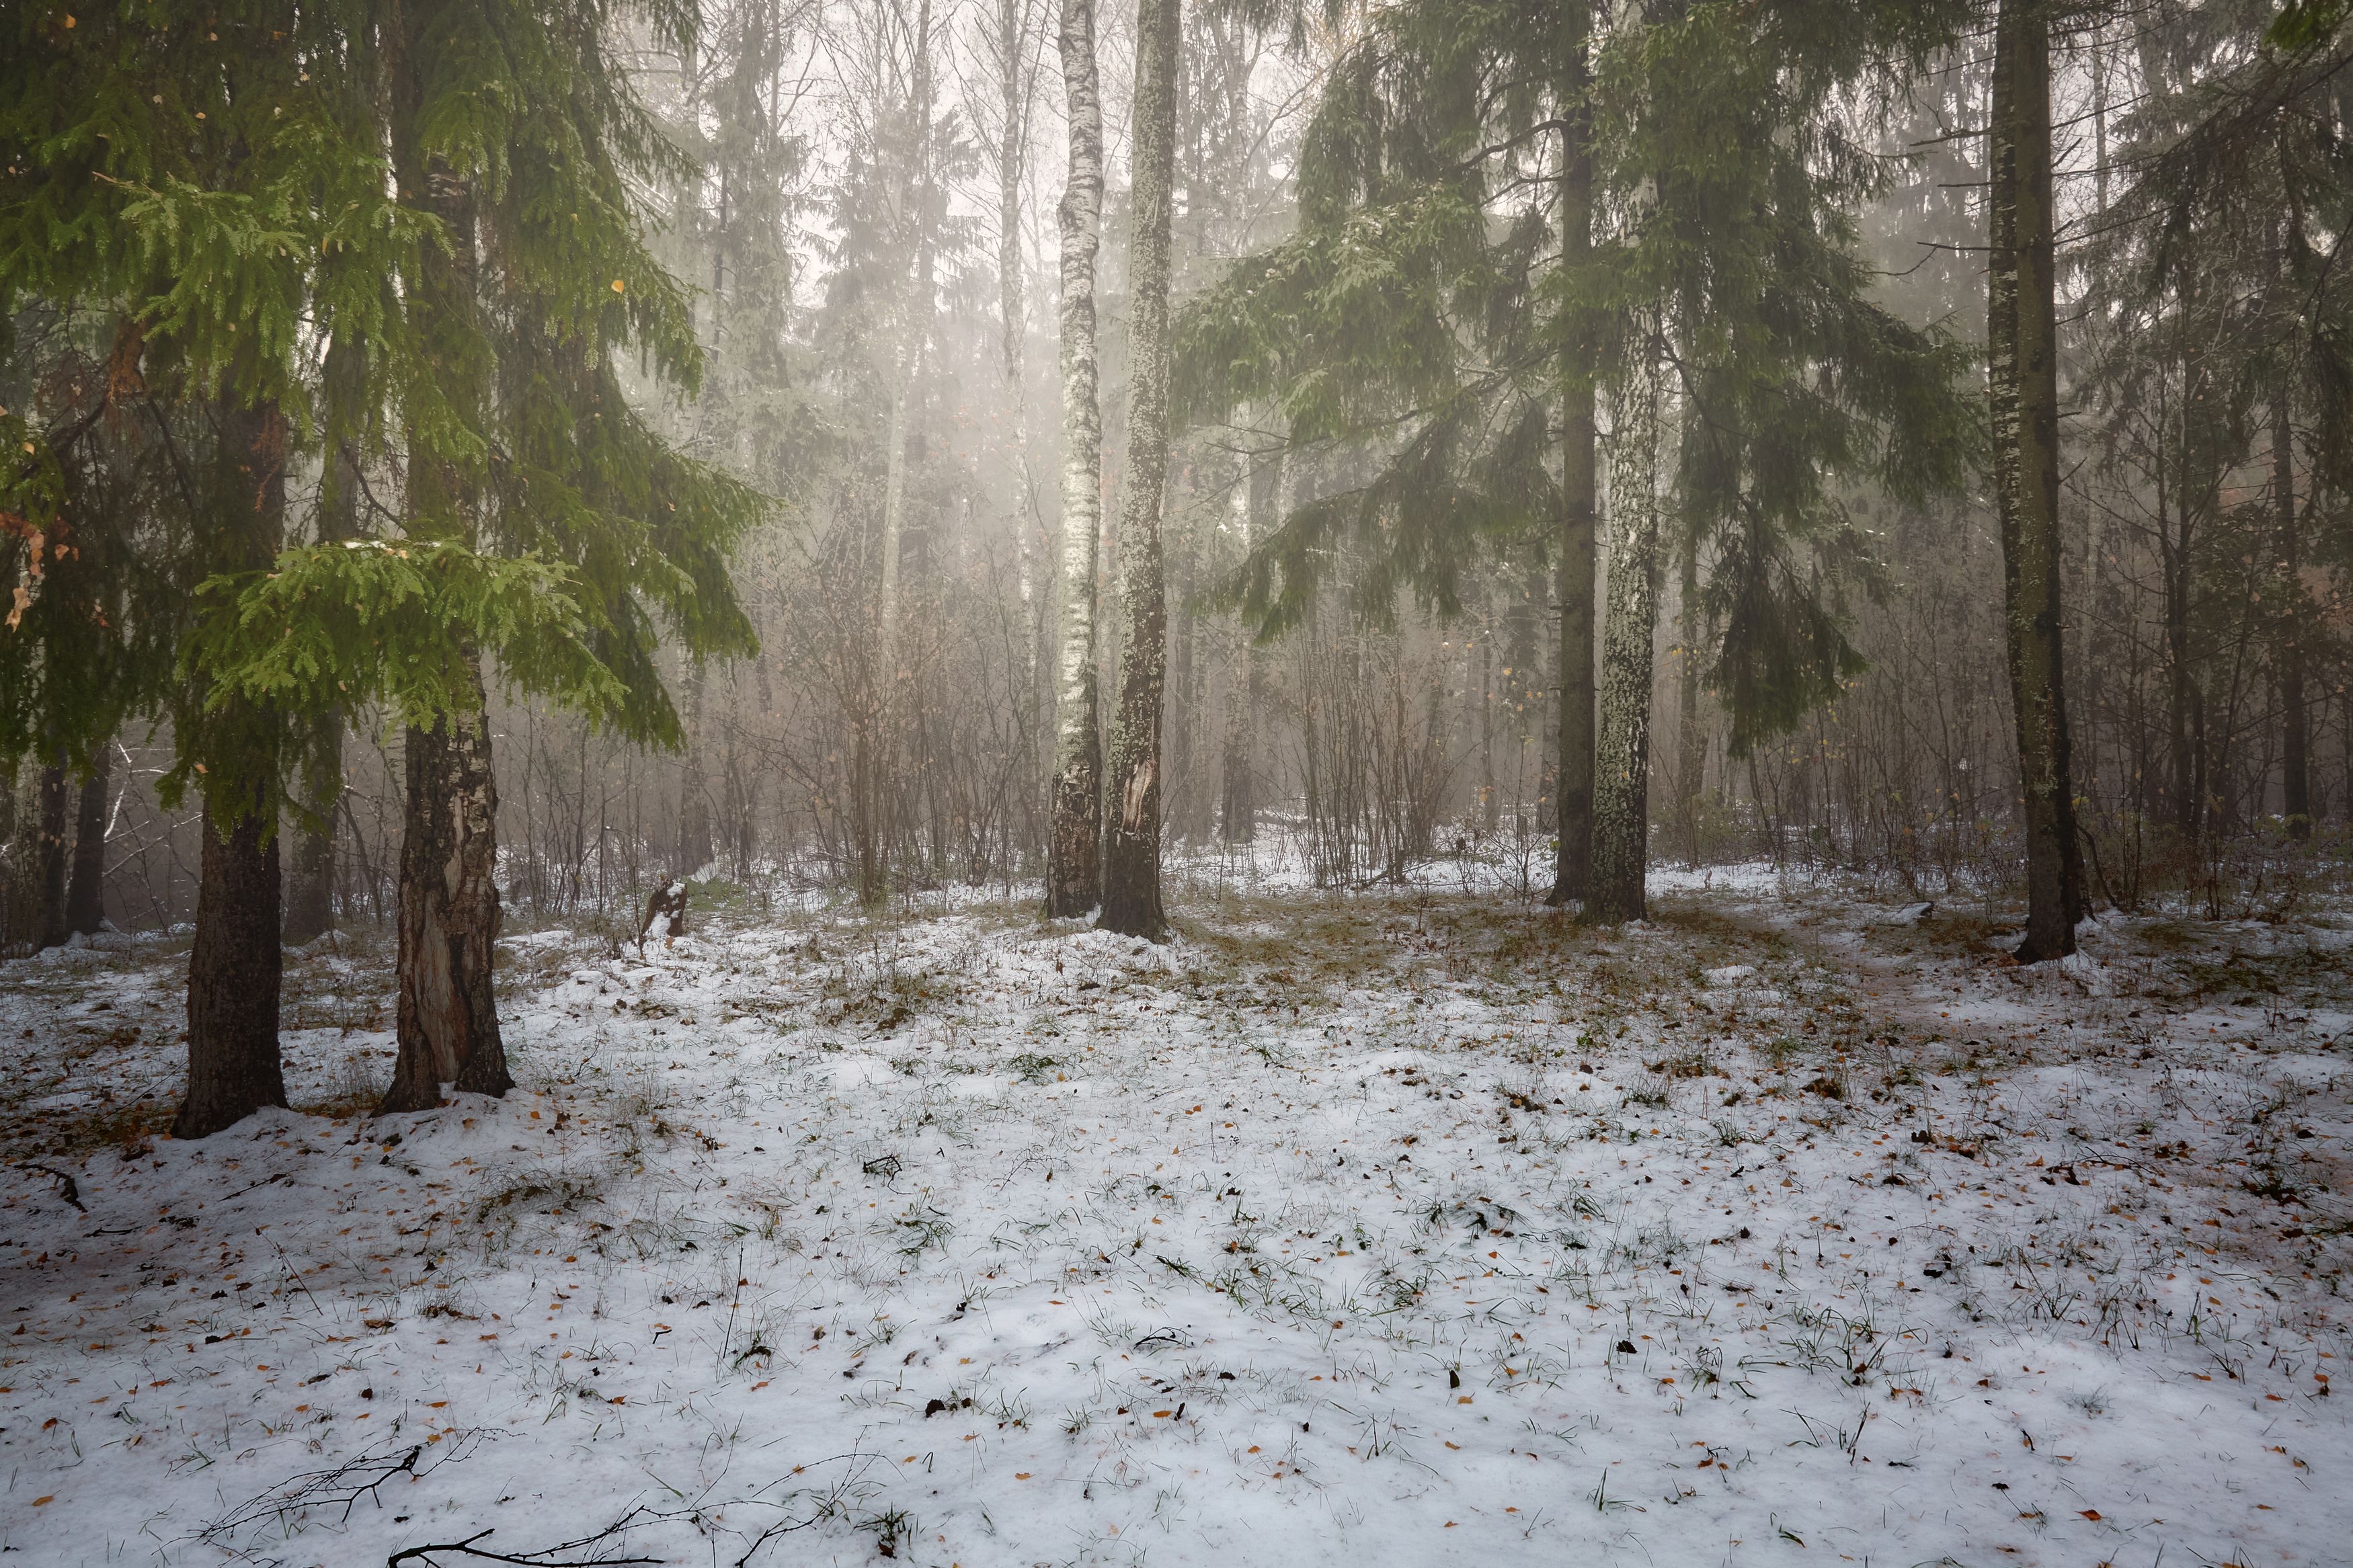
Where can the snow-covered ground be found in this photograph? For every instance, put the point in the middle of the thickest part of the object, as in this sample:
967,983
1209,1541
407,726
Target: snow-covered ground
1408,1227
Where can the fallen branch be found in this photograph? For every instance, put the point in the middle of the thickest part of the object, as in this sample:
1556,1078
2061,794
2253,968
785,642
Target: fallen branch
66,1188
544,1558
346,1484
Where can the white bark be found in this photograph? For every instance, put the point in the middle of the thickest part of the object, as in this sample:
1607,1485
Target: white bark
1074,869
1621,763
1131,854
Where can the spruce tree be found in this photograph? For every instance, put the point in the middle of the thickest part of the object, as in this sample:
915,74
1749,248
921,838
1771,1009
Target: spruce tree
1431,310
181,183
2022,385
514,131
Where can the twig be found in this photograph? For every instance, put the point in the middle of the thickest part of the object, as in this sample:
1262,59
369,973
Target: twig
539,1559
66,1188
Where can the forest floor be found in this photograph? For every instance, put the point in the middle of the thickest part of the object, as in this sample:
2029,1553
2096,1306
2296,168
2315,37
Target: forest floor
1405,1227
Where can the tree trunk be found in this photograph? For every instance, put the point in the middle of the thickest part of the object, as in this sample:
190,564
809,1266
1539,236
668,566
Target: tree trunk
52,929
1074,830
1691,735
1130,898
2180,681
1263,496
86,894
2023,387
233,979
2295,738
1012,163
310,882
446,1016
233,967
1237,811
310,885
1615,888
1480,678
1580,483
695,839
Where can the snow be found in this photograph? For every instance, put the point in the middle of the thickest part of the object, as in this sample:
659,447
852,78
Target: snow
1407,1227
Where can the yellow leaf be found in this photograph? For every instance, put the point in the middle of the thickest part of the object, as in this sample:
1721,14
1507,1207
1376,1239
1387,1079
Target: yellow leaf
617,285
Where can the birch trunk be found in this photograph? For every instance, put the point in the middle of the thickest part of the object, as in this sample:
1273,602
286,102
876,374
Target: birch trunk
1615,890
446,1017
1074,831
1131,880
1579,481
2022,378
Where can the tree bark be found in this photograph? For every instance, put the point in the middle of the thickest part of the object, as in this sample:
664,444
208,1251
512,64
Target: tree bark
694,836
1245,676
2022,378
233,978
51,928
310,882
2295,735
233,967
1691,734
446,1016
1580,486
86,894
1131,897
1074,828
1615,882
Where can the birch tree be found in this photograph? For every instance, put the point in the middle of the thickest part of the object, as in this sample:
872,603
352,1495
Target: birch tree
1073,848
1131,859
1615,886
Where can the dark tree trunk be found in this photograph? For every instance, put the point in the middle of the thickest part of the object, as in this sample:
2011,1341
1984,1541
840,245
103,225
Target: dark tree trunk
233,980
1580,488
233,967
2184,790
1690,733
2295,738
2023,387
695,839
52,929
1131,884
1263,499
86,894
310,881
447,1017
